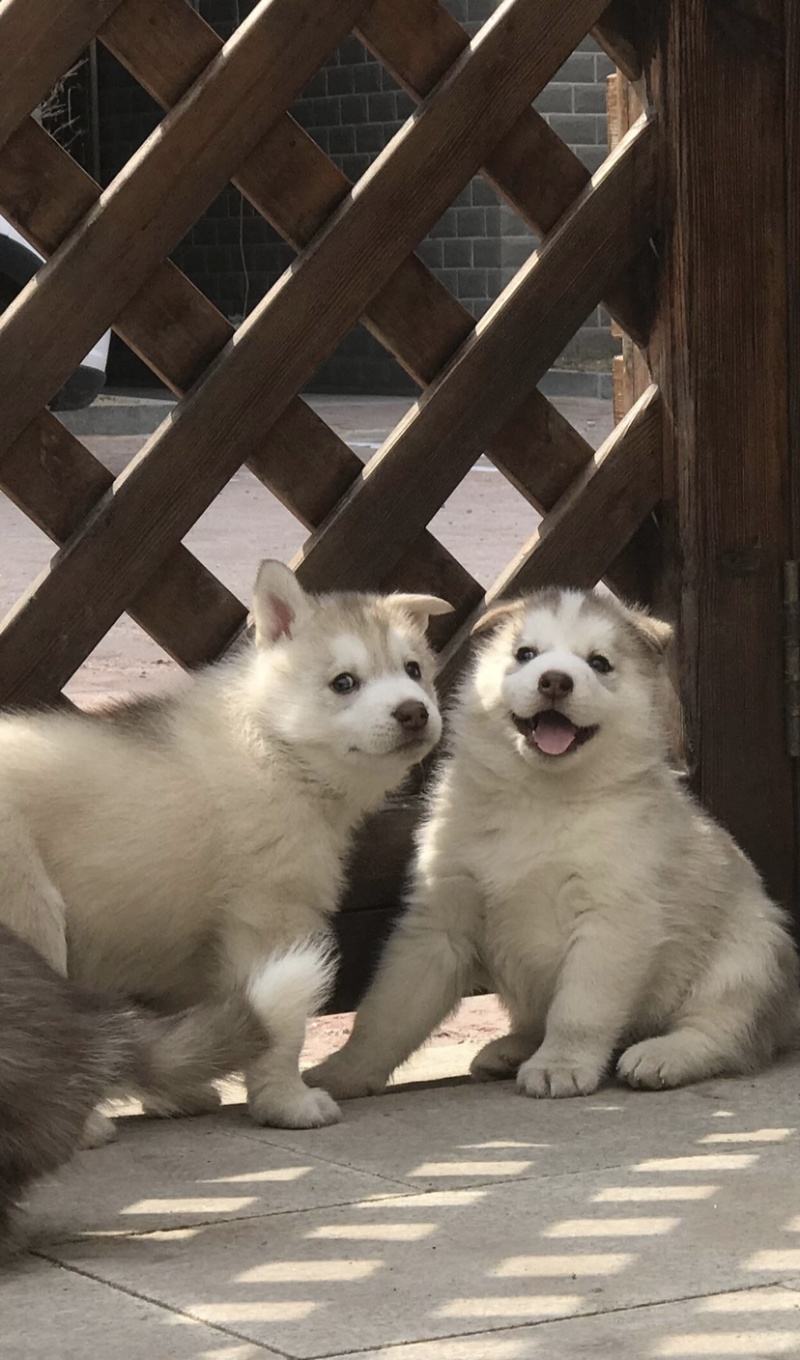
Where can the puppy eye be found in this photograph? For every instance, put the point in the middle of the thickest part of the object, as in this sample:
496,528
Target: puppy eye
526,654
344,683
413,670
600,663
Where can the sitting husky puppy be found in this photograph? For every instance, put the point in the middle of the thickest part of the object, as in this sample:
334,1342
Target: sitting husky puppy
564,864
63,1049
166,849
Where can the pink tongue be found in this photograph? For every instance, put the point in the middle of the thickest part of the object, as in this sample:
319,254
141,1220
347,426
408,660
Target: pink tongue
554,734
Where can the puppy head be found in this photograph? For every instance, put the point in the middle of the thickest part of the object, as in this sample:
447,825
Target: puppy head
347,676
573,679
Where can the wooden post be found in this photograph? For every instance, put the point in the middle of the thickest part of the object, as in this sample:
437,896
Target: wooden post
717,78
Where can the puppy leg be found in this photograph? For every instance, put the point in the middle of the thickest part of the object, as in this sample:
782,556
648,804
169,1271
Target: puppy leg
284,991
501,1058
595,995
734,1020
424,973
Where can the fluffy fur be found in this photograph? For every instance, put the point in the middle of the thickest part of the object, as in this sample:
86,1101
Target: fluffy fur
65,1048
165,849
564,865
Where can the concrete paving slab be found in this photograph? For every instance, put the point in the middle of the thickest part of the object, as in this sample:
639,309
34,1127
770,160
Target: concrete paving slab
47,1311
515,1213
175,1173
445,1136
754,1323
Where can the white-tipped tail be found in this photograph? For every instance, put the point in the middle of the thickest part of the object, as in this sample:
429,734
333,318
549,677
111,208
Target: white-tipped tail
291,986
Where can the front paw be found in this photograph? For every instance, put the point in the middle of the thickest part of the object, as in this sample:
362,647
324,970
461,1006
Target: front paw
293,1109
343,1078
500,1058
559,1077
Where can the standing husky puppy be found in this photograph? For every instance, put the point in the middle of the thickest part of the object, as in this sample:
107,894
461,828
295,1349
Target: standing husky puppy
564,864
62,1049
164,851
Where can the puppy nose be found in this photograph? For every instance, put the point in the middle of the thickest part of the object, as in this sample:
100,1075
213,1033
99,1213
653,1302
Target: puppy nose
556,684
411,715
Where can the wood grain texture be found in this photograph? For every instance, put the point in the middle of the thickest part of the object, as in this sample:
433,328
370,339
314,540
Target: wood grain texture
617,32
590,525
181,167
403,486
40,40
720,356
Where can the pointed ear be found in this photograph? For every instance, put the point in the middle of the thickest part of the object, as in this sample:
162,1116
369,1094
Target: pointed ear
495,616
422,608
279,603
656,633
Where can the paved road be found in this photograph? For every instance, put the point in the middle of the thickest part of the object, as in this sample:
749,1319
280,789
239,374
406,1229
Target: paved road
483,524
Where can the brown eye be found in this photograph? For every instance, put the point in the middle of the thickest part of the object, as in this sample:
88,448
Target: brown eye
600,663
344,683
526,654
413,670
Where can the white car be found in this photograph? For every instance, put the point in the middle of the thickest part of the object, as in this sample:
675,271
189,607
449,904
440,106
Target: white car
18,263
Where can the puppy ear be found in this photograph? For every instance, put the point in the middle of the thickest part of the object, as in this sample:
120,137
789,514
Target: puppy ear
422,608
656,633
280,604
495,616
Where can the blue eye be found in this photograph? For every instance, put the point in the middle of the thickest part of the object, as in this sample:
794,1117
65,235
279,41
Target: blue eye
344,683
600,663
526,654
413,670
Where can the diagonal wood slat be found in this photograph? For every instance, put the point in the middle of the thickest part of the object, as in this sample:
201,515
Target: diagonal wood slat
393,33
175,328
220,424
57,482
40,40
160,193
539,310
591,524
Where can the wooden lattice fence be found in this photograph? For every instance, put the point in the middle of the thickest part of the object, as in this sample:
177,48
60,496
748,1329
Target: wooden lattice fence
607,238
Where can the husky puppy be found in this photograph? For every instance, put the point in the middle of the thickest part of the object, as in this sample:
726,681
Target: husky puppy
64,1048
563,863
165,850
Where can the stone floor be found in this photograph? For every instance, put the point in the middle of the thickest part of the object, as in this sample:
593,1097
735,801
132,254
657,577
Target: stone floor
443,1221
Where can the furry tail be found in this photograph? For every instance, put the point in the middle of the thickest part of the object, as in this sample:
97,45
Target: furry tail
292,986
177,1055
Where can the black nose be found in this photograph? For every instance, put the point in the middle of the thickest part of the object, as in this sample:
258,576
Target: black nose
556,684
411,715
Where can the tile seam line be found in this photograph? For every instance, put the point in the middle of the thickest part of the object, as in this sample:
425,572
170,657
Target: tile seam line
129,1292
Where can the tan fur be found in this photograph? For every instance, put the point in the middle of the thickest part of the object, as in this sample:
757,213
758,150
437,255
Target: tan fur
587,888
166,851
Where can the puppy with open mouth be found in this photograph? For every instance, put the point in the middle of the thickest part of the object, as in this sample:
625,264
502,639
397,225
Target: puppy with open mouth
564,866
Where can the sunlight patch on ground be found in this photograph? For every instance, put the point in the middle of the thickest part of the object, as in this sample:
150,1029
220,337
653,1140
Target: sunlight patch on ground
320,1272
750,1344
756,1136
532,1306
189,1206
611,1227
375,1232
471,1169
646,1194
605,1263
709,1161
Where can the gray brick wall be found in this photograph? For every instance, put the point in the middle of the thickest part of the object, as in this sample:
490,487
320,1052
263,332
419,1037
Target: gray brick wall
353,108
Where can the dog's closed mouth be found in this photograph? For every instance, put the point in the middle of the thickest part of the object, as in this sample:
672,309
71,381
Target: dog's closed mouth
552,732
